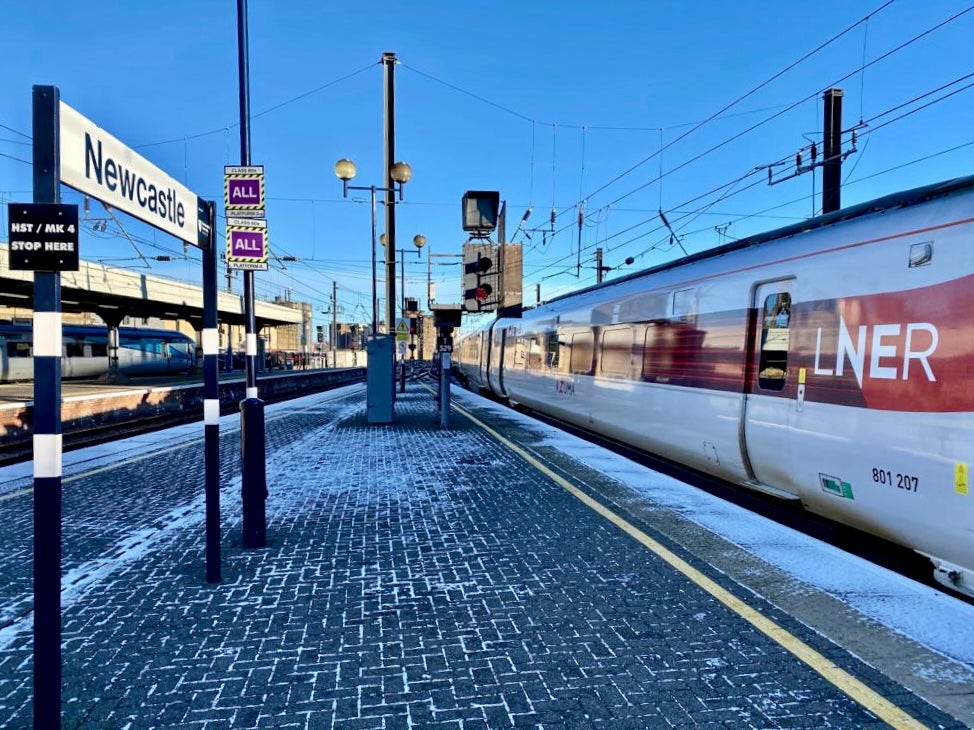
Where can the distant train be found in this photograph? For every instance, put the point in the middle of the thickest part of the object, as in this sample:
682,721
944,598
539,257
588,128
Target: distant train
141,351
830,362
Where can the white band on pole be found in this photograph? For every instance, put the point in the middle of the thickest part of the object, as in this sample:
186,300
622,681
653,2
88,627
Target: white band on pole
47,455
47,334
211,411
251,343
211,341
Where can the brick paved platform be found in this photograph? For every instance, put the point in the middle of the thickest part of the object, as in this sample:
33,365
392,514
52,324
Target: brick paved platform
414,578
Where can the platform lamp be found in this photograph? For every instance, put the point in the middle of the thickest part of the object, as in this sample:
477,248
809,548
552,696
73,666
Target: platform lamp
400,173
419,240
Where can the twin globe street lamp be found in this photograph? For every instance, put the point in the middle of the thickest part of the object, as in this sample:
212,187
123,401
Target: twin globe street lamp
400,173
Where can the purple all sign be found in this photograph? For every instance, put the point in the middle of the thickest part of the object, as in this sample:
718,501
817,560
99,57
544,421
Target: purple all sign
244,191
247,244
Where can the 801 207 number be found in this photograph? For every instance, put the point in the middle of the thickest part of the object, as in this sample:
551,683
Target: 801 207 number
895,479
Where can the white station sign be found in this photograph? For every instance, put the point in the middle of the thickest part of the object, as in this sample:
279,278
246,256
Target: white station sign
96,163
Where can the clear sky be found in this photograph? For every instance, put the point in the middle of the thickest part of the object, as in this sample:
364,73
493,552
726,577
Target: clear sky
625,108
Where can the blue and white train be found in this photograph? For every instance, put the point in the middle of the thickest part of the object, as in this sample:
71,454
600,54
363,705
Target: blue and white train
84,354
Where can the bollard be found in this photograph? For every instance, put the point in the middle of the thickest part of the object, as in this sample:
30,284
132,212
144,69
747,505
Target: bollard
445,366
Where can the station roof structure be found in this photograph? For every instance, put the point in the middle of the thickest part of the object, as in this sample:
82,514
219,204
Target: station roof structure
113,292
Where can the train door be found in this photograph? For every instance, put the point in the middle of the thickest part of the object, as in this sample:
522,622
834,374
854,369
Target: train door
495,360
769,402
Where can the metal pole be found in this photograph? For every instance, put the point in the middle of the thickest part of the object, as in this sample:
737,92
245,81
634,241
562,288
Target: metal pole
445,367
402,310
47,429
229,274
211,398
501,249
375,300
334,324
832,162
254,477
389,61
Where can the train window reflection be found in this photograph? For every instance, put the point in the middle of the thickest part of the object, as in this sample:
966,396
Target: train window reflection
775,338
551,350
616,355
535,344
583,348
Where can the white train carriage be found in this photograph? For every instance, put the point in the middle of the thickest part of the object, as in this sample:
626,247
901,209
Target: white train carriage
84,351
828,362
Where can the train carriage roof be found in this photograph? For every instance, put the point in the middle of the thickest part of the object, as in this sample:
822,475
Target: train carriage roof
100,331
887,202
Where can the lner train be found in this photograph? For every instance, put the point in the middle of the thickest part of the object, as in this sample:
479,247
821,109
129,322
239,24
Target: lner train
830,362
141,351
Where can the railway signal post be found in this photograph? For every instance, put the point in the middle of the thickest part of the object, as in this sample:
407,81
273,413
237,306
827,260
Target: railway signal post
446,319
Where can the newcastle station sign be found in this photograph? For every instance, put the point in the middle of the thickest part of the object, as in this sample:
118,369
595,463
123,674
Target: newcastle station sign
94,162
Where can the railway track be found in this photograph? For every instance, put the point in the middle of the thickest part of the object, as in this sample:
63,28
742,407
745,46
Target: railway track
77,437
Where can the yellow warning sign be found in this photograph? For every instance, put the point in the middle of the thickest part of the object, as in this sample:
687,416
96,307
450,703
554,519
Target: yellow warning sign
402,330
960,478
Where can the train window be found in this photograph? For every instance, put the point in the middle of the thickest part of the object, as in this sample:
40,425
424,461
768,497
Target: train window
650,353
662,359
551,350
520,352
774,342
18,349
533,348
529,351
615,358
921,254
74,348
510,347
685,303
583,347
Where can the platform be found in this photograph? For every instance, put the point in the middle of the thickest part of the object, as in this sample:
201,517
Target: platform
496,574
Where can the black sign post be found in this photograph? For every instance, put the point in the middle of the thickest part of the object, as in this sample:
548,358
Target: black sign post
211,390
253,489
47,424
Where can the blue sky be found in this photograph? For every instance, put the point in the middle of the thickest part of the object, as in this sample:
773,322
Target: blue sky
552,104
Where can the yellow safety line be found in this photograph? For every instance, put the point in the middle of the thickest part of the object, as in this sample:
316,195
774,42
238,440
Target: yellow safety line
19,493
888,712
